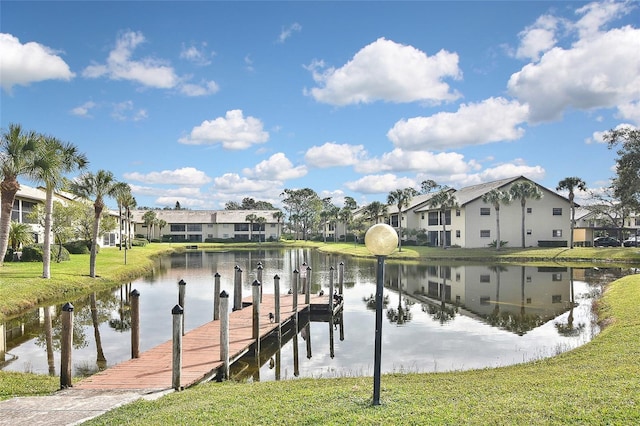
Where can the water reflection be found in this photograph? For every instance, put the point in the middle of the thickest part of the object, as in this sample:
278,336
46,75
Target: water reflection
439,317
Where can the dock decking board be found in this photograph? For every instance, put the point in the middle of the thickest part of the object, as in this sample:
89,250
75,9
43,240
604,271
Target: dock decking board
200,350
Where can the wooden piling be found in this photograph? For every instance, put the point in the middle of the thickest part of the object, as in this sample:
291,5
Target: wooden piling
260,278
224,334
307,290
66,342
177,313
341,277
216,297
255,287
182,288
295,291
276,295
237,289
135,323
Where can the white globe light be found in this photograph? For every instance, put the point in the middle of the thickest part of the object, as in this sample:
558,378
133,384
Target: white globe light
381,239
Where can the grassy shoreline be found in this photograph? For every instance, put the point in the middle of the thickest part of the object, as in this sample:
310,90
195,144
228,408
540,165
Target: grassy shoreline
594,384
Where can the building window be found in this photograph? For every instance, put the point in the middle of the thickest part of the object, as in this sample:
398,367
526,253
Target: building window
458,212
556,277
241,227
433,218
557,211
485,278
457,233
529,210
177,227
557,232
485,211
394,220
528,278
528,231
485,233
194,227
528,300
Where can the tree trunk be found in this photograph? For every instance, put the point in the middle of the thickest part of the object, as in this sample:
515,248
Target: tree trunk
94,242
8,190
522,204
46,247
498,243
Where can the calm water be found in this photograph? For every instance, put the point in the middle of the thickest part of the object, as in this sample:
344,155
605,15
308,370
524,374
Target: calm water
437,317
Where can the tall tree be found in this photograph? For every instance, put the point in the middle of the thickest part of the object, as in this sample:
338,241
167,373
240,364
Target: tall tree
626,186
571,184
98,186
260,221
122,192
523,191
428,185
161,224
54,160
374,210
401,198
251,218
303,204
278,216
496,197
149,217
17,156
443,200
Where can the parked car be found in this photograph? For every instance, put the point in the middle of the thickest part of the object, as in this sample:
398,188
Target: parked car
631,242
606,242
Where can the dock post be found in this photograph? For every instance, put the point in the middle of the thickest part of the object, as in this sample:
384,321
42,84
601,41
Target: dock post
237,289
216,297
303,276
295,291
307,332
260,278
276,295
255,288
341,277
307,290
177,313
135,323
66,345
331,291
224,333
182,287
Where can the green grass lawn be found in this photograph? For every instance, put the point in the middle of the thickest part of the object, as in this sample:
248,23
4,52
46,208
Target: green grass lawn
598,383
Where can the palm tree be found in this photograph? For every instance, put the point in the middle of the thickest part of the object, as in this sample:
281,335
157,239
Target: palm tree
495,197
20,234
122,193
522,191
17,156
98,186
251,218
346,216
443,200
129,203
374,210
161,224
278,216
570,184
260,221
149,218
401,198
54,159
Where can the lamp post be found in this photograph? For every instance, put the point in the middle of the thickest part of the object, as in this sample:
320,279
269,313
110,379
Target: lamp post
381,240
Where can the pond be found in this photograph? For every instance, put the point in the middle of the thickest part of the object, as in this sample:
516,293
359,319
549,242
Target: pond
437,317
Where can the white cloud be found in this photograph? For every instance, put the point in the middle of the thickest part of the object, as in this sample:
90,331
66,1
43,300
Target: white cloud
233,183
196,55
373,74
492,120
288,32
538,38
597,14
188,176
596,72
277,167
517,167
124,111
399,160
84,109
203,89
119,66
597,137
187,196
630,111
380,184
233,131
23,64
332,154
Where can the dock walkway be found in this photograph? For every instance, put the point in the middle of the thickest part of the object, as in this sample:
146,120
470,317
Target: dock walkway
152,371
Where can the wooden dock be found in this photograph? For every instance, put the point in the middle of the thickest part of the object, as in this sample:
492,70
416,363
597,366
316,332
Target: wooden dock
152,371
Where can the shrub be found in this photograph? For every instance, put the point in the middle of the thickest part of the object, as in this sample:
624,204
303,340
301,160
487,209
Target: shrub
80,247
9,256
494,242
33,253
139,242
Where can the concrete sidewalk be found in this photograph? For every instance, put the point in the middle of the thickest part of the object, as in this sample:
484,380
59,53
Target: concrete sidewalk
67,407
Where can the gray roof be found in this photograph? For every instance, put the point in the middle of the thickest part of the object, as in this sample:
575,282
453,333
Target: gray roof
206,216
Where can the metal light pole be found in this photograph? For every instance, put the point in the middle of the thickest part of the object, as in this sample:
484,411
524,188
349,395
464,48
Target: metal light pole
381,240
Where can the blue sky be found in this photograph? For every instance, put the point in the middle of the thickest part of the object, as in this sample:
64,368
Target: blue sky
208,102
